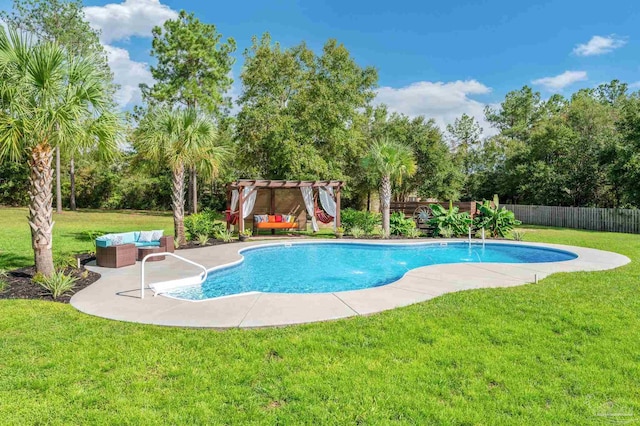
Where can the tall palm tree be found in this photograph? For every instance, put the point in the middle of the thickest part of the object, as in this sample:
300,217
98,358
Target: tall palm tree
47,97
179,139
390,161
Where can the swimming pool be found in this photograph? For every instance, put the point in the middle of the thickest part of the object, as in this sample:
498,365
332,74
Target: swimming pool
325,267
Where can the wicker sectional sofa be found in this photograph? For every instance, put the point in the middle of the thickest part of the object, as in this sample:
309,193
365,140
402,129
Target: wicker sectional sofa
118,250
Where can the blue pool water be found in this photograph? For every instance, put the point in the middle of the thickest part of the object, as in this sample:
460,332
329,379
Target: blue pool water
330,267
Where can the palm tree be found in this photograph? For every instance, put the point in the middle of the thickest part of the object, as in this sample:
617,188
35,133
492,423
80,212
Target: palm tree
47,97
390,161
179,138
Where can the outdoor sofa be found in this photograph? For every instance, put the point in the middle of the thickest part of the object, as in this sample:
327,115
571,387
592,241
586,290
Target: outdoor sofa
276,221
121,249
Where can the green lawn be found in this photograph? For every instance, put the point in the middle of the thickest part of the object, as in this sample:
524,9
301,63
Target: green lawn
69,231
564,351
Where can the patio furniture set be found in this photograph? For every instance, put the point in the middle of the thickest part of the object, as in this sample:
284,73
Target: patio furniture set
124,249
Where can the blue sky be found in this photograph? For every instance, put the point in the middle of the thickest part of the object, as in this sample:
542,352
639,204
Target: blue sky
439,59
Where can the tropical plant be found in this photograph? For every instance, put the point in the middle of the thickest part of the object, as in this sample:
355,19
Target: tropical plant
357,232
339,232
201,224
449,220
179,138
401,225
366,221
246,233
498,221
48,99
413,233
445,232
56,284
390,161
225,236
203,239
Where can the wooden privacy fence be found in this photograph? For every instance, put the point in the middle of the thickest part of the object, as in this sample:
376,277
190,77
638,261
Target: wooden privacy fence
593,218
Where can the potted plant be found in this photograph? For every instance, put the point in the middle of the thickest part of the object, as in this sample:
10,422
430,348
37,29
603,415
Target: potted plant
339,232
245,235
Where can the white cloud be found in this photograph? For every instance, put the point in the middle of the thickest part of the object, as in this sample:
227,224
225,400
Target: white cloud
119,21
128,74
130,18
444,102
560,81
599,45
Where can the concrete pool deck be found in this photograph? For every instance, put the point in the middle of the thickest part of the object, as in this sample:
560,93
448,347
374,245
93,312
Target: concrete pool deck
116,295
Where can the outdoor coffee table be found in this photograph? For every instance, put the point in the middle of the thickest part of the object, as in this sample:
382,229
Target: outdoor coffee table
143,251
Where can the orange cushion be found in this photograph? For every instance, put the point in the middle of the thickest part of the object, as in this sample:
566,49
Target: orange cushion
276,225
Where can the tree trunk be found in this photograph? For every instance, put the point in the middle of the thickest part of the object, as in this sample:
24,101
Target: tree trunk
385,202
40,207
72,179
194,190
177,200
190,193
58,186
369,201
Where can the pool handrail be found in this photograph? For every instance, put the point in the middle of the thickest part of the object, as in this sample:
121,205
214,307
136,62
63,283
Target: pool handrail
202,277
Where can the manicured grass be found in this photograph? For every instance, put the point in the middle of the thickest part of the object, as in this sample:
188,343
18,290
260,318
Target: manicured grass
69,231
564,351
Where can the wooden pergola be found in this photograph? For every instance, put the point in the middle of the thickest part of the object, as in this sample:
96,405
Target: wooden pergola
273,185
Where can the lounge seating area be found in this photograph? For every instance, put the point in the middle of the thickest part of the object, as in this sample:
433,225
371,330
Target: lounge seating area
277,221
123,249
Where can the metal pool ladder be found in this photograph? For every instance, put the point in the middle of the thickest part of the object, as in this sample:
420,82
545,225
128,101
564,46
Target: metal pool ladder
159,286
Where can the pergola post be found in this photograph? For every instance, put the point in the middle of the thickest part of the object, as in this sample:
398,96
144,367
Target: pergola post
240,212
337,219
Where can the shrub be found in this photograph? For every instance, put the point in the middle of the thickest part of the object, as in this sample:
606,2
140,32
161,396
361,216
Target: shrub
202,224
224,235
400,225
357,232
65,262
57,284
203,239
414,233
445,232
364,220
499,222
451,219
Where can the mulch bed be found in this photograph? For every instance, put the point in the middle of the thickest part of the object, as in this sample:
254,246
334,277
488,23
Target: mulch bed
211,242
20,285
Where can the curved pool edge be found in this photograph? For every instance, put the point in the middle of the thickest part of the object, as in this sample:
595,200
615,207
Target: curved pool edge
116,294
403,243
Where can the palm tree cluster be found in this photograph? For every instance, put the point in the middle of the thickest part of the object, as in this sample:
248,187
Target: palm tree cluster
50,99
181,139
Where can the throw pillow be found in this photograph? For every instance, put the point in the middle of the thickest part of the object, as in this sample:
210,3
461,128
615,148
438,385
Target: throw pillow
157,235
117,240
272,219
146,236
278,218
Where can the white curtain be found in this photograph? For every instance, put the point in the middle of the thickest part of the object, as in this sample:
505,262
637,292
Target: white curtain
327,202
307,196
248,201
234,200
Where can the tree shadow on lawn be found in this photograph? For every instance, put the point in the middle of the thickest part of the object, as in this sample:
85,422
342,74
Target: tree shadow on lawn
12,261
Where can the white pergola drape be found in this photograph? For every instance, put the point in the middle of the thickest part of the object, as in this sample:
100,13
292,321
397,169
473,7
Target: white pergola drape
327,201
307,195
248,201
